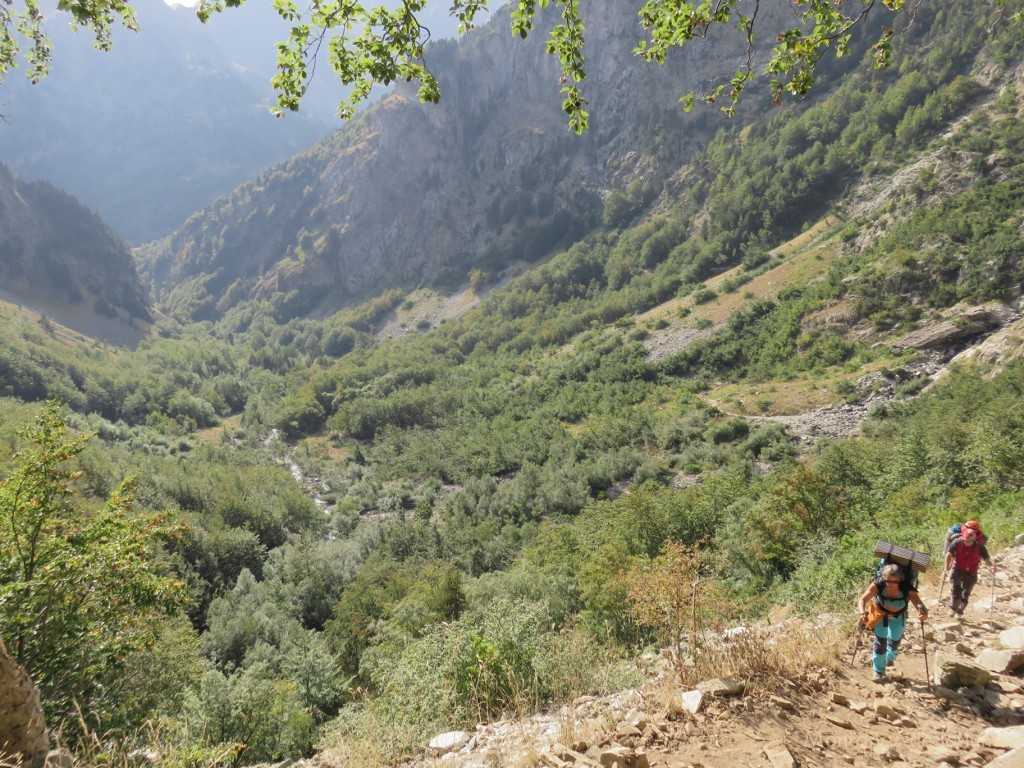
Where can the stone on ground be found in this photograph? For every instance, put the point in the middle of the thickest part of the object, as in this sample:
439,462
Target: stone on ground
721,687
779,756
1003,738
451,741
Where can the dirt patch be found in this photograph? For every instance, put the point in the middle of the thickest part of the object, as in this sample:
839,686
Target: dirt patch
74,323
424,309
215,435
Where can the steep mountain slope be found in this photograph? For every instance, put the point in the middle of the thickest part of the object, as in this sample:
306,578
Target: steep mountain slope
60,259
247,37
149,132
485,488
412,193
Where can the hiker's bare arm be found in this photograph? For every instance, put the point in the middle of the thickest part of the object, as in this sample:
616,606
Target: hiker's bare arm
869,594
922,609
987,558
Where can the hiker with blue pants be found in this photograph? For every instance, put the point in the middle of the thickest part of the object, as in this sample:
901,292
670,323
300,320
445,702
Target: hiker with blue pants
883,608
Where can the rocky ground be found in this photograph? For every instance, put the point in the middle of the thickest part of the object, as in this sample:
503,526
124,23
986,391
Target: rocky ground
969,713
844,419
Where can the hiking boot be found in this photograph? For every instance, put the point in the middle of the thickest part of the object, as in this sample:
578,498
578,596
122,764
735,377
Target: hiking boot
890,662
879,677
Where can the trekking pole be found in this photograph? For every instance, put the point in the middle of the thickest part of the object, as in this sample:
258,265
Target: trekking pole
992,602
924,650
943,584
856,642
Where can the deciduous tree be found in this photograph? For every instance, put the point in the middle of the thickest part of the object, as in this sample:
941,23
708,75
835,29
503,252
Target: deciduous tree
370,45
79,589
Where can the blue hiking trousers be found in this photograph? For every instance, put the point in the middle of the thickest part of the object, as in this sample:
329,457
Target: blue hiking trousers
888,633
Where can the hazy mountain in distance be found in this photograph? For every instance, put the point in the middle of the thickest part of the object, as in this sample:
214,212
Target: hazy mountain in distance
247,37
60,259
149,132
409,194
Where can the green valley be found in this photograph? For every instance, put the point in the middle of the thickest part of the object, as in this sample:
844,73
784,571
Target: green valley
354,528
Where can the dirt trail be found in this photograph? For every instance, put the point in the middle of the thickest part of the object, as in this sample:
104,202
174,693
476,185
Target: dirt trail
855,721
837,717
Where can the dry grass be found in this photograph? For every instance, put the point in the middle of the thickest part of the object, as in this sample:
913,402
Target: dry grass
16,316
215,435
162,743
367,740
323,447
805,258
762,657
800,267
574,730
776,398
790,397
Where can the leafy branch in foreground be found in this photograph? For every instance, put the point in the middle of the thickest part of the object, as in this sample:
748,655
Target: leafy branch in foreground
78,589
371,45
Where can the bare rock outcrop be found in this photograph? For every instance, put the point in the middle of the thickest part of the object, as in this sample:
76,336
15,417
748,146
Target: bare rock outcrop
22,727
963,325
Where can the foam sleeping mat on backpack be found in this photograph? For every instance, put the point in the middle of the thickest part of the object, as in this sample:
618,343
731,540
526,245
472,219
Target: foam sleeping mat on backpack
919,561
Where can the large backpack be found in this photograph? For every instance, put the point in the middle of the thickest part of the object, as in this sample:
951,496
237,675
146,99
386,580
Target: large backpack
954,532
910,561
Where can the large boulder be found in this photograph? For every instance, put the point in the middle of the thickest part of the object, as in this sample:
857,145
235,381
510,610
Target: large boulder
960,326
1012,759
1012,638
1001,662
22,727
1003,738
952,672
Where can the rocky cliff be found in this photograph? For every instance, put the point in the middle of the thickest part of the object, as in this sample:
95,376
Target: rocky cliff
412,193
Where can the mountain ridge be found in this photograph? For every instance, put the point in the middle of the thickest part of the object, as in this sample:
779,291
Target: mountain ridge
412,192
149,131
63,261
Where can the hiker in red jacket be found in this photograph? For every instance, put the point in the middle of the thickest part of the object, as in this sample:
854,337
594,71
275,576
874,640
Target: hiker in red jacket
963,555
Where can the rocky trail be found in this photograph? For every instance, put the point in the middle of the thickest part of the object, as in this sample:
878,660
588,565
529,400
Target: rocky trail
970,713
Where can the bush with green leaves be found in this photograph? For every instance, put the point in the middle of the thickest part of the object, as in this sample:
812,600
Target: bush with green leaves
500,660
253,709
81,589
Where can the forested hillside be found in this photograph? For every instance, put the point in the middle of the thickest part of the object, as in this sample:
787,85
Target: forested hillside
413,193
61,259
356,530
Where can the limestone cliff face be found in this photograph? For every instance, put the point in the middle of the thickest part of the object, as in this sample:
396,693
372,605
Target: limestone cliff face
22,728
412,193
